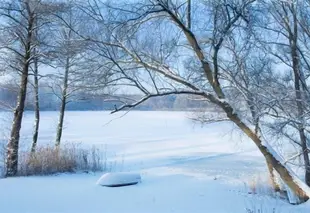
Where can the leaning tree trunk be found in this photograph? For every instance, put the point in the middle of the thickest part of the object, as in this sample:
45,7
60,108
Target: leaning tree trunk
285,174
63,104
36,107
274,184
292,181
270,157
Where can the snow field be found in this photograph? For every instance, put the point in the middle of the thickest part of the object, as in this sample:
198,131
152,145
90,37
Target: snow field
184,168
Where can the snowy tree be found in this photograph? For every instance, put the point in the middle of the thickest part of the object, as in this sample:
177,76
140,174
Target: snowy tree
158,56
75,61
286,44
17,50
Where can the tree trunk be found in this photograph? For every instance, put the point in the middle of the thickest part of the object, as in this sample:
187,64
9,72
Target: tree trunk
189,14
273,181
36,106
63,103
13,144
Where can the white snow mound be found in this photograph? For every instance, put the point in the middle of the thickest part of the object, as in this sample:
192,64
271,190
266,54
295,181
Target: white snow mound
119,179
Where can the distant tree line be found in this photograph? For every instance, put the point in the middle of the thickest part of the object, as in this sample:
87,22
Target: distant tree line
94,102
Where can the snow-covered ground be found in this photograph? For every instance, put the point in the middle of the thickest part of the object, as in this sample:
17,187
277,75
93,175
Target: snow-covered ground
184,168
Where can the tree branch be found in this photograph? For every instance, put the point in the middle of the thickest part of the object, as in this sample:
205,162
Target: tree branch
145,98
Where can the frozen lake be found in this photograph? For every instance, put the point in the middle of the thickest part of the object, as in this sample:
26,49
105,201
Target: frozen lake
184,167
155,137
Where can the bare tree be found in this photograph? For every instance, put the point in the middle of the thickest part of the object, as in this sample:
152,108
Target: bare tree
286,46
249,73
73,55
18,26
42,45
67,50
20,17
166,76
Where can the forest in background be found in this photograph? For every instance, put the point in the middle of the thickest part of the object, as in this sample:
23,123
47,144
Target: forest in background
83,101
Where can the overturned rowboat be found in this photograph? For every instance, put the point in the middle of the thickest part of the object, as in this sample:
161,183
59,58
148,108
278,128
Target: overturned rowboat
118,179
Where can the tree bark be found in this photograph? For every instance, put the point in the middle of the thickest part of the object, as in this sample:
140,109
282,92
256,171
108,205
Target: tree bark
63,103
189,14
36,106
273,181
13,144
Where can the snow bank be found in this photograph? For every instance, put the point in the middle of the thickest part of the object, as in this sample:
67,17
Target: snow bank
119,179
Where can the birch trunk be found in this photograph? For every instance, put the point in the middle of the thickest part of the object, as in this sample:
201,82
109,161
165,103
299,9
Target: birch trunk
63,103
36,107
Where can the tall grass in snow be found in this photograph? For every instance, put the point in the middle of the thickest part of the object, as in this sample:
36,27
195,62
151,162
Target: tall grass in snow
48,160
69,158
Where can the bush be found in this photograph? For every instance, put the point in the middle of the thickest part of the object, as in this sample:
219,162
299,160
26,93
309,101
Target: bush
70,158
